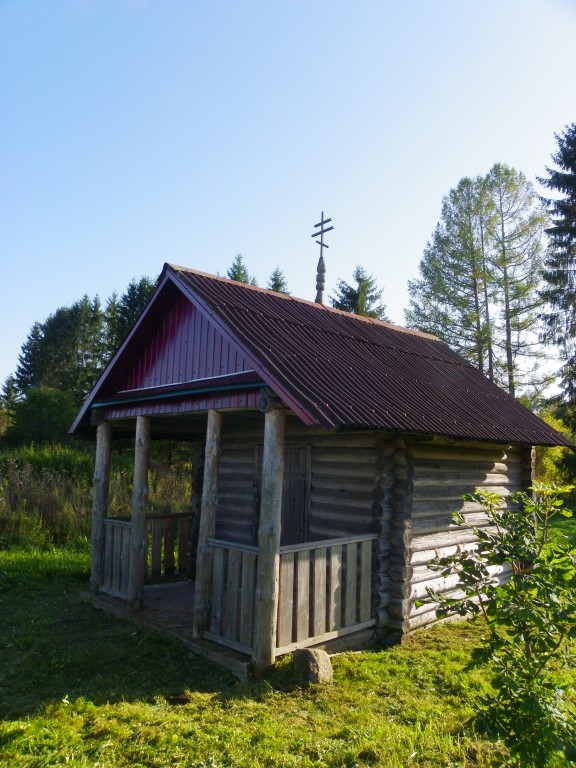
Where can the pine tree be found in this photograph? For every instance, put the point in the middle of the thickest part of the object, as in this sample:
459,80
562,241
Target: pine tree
277,282
239,272
560,264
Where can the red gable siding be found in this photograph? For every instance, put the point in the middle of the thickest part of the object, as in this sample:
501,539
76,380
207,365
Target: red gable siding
185,347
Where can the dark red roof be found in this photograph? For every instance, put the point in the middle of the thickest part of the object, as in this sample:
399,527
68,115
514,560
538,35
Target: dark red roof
340,370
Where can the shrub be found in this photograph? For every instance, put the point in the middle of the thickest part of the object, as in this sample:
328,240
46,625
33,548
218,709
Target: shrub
530,621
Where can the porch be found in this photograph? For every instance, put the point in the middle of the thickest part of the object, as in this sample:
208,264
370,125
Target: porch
324,589
260,600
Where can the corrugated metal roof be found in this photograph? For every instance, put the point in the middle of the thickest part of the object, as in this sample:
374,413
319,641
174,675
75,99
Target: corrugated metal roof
341,370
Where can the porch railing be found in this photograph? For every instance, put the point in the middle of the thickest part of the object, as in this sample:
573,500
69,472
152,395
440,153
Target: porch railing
325,592
166,553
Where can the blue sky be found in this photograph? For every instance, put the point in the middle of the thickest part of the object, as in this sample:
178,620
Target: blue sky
135,132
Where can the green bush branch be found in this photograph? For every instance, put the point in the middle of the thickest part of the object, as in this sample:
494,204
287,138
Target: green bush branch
523,583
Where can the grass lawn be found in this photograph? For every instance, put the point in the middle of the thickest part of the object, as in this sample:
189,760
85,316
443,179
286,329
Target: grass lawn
79,688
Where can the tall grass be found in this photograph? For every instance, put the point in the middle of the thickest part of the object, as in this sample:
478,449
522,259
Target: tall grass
46,491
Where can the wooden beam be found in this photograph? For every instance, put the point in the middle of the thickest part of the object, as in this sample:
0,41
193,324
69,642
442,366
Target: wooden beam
267,579
101,488
139,503
206,528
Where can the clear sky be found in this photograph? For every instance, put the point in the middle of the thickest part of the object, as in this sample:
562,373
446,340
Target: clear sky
134,132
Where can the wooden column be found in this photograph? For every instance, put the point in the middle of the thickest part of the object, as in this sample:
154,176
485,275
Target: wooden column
195,505
101,487
208,507
267,578
139,503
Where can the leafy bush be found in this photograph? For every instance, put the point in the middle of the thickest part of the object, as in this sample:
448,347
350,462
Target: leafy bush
530,620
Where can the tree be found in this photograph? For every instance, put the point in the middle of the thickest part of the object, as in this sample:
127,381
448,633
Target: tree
277,282
452,299
517,261
239,272
66,351
8,399
560,264
479,278
121,313
44,415
364,298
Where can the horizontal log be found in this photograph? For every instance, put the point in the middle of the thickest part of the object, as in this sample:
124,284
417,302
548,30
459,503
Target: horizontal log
466,481
323,531
441,467
445,539
427,525
339,508
432,508
344,455
465,454
361,498
361,473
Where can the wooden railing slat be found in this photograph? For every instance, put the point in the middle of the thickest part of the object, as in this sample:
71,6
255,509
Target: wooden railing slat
232,595
303,595
218,564
169,546
319,624
183,532
335,590
156,564
365,580
247,597
286,599
351,581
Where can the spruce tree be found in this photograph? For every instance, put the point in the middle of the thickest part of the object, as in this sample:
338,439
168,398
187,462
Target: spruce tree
560,264
239,271
277,282
364,298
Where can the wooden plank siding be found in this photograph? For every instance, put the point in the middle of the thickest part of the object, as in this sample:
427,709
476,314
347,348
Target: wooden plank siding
441,475
185,347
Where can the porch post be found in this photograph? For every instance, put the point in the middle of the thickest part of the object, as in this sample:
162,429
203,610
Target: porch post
267,578
139,502
208,507
101,487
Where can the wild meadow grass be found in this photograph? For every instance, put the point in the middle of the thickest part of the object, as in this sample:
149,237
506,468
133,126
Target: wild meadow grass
46,490
80,688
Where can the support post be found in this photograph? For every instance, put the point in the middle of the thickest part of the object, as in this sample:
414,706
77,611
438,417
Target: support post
208,507
139,503
101,488
267,579
195,505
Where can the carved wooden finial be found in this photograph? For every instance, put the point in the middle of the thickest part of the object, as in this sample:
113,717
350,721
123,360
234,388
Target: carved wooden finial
320,280
322,229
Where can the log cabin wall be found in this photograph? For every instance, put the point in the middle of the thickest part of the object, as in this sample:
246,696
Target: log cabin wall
349,492
441,476
404,489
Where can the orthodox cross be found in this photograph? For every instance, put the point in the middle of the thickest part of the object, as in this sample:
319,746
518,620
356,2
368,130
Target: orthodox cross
321,270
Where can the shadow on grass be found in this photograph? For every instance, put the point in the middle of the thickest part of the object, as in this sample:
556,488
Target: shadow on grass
55,647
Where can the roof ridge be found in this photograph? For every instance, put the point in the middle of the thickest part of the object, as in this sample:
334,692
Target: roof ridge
289,297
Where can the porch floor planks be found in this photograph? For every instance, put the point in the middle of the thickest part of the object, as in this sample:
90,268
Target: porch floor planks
168,608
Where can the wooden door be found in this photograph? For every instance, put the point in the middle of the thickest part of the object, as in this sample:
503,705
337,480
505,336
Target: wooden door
294,493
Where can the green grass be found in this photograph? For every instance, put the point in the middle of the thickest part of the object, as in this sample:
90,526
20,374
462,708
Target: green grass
79,688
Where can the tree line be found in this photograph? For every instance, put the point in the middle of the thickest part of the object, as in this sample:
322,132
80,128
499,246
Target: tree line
497,282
